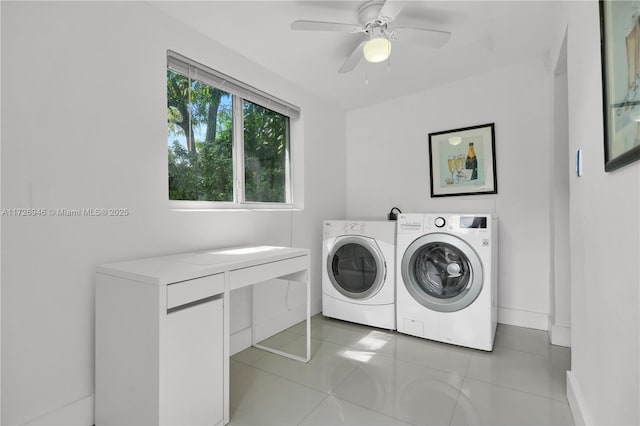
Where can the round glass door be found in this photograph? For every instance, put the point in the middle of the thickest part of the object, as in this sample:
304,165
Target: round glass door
442,272
356,267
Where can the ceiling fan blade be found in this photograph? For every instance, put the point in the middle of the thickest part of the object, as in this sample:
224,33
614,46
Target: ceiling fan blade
390,10
353,59
422,36
325,26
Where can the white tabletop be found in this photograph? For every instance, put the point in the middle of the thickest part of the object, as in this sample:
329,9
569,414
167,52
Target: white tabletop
165,270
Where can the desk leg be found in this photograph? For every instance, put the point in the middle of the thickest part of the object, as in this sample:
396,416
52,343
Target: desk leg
226,343
305,358
308,311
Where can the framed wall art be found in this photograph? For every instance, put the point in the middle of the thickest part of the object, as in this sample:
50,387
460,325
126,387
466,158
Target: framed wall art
620,47
463,161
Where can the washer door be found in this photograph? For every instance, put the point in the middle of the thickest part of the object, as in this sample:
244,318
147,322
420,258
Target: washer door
356,267
442,272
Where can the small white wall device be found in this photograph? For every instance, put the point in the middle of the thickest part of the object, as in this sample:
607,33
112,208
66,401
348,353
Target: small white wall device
579,162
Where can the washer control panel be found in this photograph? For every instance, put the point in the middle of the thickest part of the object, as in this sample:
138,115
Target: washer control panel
410,222
466,223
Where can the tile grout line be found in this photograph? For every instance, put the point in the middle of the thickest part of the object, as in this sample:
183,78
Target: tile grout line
329,393
518,390
306,416
455,406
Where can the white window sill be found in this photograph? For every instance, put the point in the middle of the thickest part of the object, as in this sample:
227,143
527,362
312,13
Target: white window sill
208,206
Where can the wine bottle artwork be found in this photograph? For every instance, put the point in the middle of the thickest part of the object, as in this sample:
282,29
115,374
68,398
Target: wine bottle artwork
463,161
471,162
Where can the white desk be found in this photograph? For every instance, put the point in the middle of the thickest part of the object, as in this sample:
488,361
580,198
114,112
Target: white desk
152,319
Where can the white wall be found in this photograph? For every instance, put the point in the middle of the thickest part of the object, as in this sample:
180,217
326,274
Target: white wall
603,385
388,165
562,169
0,237
84,125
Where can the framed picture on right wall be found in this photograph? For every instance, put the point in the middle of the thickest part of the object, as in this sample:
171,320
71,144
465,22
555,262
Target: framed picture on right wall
620,47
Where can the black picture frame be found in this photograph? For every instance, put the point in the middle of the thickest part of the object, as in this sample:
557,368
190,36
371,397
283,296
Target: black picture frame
621,97
467,175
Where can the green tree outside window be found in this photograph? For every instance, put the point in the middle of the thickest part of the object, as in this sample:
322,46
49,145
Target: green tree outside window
201,141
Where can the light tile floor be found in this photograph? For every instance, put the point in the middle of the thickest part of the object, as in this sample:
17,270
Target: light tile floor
366,376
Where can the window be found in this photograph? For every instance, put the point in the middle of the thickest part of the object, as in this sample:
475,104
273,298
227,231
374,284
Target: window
227,142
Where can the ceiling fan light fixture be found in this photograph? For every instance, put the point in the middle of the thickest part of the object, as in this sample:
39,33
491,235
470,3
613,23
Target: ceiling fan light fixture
377,49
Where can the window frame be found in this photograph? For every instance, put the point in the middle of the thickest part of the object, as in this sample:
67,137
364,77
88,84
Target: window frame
240,92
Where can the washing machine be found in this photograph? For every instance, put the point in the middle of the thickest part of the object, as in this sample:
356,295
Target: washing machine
358,274
447,277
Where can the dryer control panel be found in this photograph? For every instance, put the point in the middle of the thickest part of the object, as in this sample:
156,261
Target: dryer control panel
473,222
355,228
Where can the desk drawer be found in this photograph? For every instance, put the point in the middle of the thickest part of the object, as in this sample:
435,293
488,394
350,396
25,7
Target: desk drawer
255,274
193,290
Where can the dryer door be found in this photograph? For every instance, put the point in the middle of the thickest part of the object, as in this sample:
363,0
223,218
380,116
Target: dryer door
356,267
442,272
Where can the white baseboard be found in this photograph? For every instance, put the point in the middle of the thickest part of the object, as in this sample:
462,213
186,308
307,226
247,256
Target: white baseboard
577,404
239,341
560,336
316,306
527,319
78,413
268,327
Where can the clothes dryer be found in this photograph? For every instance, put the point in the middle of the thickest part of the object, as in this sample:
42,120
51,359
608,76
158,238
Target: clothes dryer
447,278
358,276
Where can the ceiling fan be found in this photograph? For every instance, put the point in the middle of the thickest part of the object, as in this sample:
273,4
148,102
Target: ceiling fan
375,18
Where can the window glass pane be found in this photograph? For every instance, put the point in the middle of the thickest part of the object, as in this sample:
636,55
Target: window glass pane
266,154
200,140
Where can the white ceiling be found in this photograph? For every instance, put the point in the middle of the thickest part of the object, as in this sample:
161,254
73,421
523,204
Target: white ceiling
485,35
